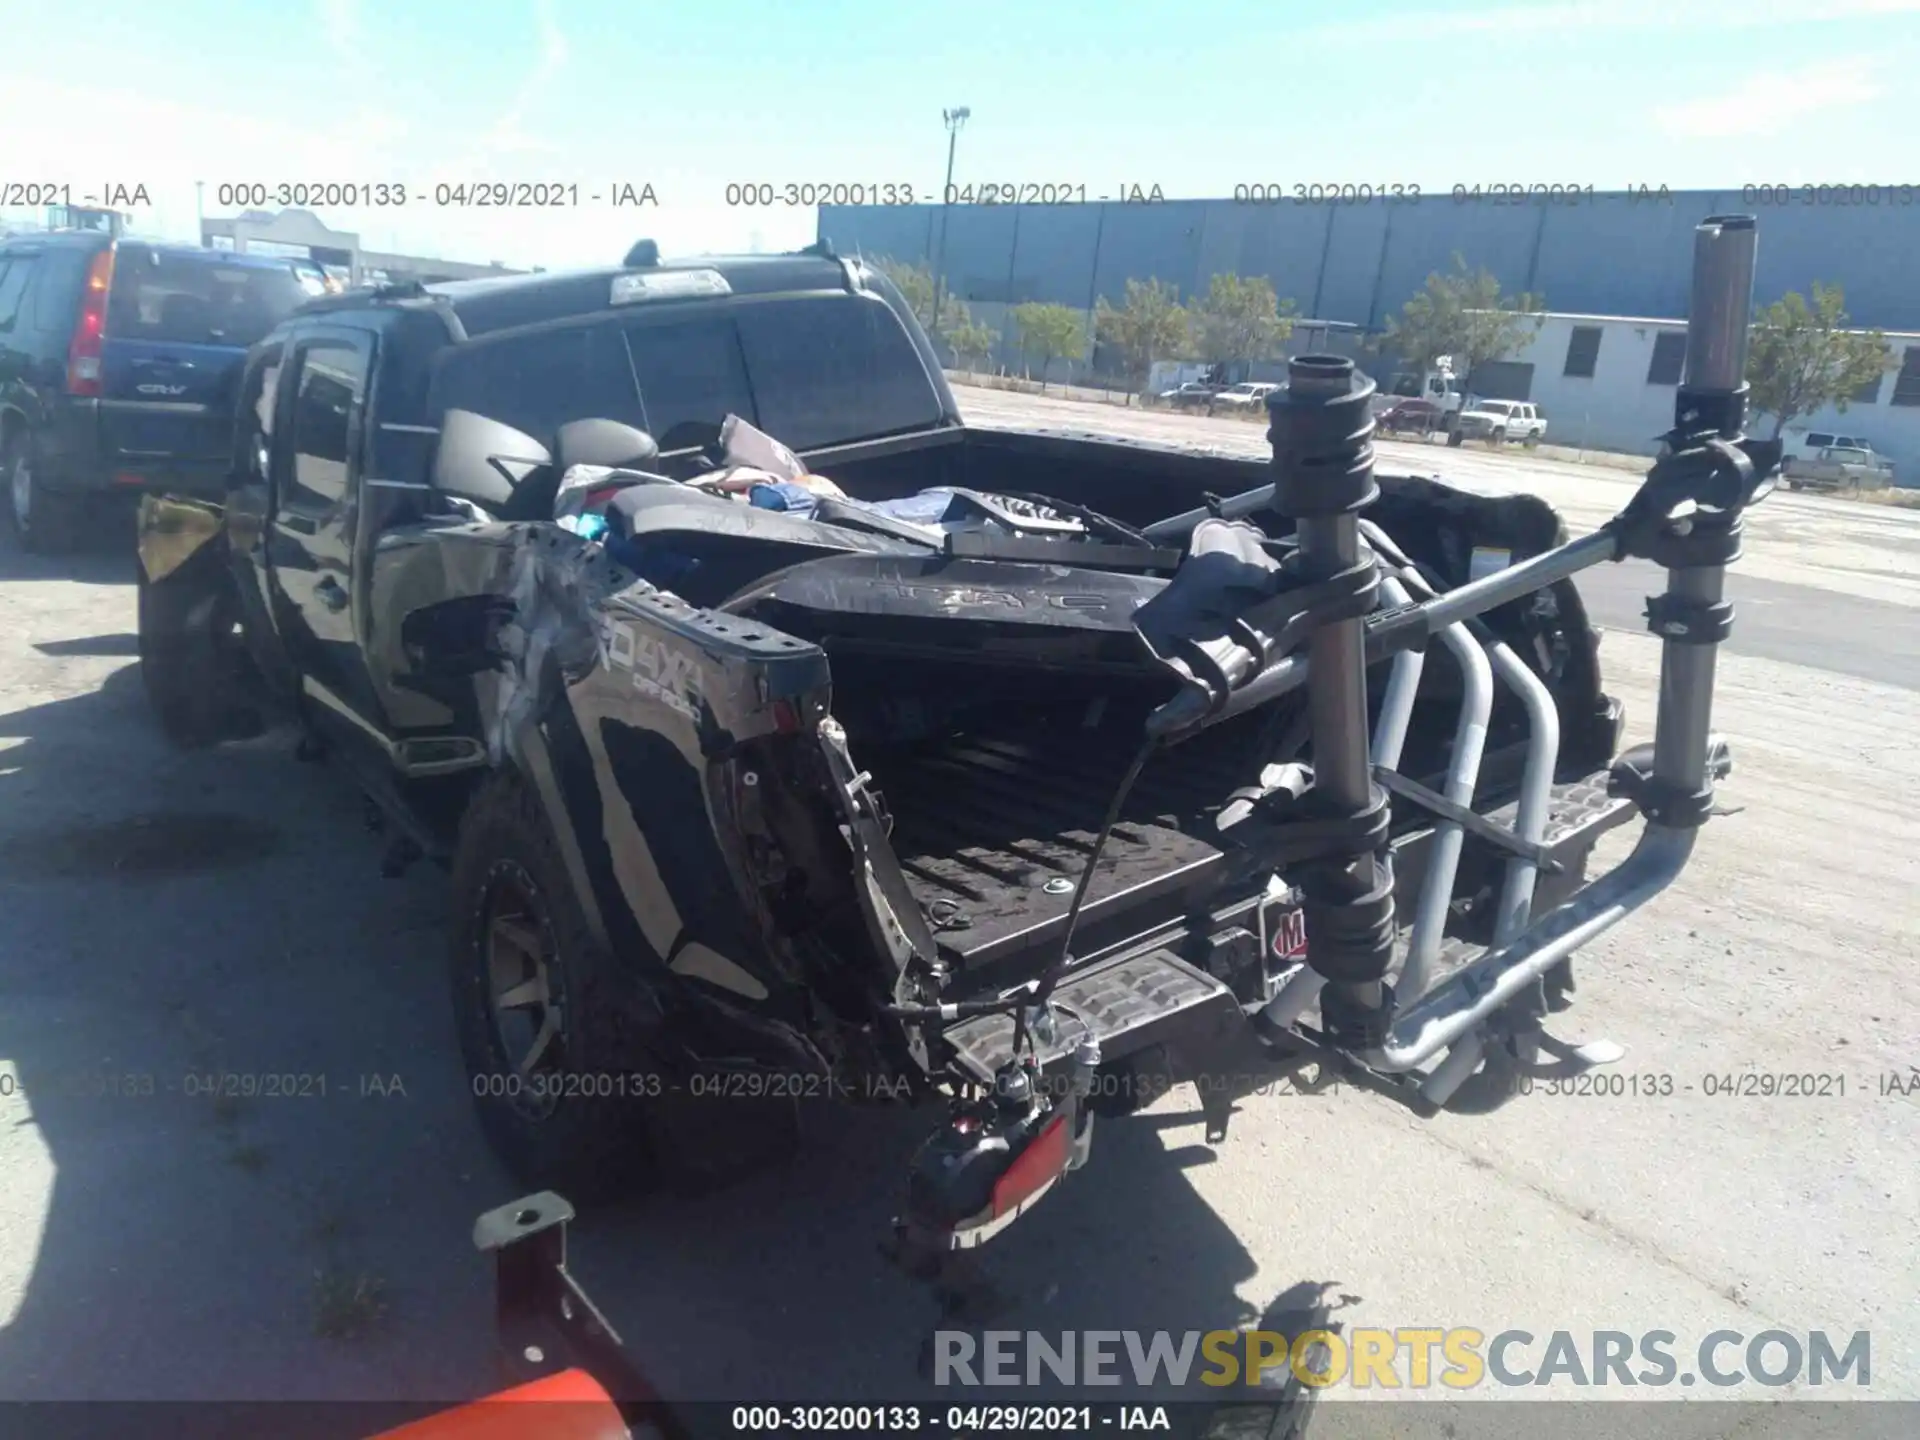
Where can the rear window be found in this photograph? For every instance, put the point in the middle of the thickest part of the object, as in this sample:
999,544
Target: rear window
15,272
188,300
539,382
834,369
1816,438
691,378
811,372
56,300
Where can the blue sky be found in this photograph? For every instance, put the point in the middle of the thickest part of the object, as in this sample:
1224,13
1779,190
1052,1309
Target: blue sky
688,97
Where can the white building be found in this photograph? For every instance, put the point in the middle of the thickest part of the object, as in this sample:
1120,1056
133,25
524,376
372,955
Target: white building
1607,382
300,233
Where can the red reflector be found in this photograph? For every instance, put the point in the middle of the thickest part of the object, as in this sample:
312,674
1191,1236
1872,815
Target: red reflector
786,719
1038,1166
127,477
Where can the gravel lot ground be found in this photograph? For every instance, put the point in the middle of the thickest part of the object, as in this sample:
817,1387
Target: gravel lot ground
167,916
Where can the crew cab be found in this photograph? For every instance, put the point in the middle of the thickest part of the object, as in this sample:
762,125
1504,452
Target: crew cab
985,778
1499,421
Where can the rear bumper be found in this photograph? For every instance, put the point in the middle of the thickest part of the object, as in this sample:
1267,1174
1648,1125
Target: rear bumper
73,455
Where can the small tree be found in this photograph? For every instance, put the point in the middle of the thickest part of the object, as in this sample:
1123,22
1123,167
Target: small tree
1802,358
1151,326
915,284
1240,320
1049,331
971,342
1464,315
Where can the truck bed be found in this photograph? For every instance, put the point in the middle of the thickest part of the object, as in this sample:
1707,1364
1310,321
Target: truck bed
994,831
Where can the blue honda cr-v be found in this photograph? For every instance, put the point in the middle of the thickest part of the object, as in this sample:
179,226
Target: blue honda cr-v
118,362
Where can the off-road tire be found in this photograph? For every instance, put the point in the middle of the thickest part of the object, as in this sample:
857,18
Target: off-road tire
1455,439
593,1144
191,664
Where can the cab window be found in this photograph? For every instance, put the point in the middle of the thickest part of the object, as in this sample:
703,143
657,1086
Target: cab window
538,381
331,383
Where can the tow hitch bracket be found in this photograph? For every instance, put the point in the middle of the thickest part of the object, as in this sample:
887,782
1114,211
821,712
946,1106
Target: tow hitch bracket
547,1323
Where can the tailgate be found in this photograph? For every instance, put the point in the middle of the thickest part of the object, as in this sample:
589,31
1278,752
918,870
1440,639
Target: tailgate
178,326
164,401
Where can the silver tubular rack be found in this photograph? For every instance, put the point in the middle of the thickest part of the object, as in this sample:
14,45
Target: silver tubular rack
1421,1024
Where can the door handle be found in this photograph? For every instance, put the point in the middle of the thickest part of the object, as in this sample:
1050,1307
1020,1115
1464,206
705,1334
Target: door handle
330,594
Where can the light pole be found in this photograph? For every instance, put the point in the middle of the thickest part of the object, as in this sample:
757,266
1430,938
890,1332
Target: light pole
953,119
200,212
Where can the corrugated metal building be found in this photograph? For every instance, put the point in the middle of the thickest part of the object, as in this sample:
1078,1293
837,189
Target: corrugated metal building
1610,254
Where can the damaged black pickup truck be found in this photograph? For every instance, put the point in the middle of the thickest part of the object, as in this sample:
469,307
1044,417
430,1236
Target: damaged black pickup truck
1027,774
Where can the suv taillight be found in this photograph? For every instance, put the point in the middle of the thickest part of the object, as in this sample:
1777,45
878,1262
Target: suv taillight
83,351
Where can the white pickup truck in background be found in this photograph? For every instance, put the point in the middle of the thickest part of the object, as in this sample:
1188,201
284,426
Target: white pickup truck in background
1500,421
1809,460
1846,468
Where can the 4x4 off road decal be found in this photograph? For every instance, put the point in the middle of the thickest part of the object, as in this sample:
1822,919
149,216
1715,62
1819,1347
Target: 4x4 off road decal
658,670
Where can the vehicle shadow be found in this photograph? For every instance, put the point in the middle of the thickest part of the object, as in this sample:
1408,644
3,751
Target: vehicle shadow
104,556
238,1160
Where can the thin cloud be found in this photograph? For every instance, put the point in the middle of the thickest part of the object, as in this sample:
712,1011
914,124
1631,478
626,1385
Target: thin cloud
508,133
367,127
340,23
1767,103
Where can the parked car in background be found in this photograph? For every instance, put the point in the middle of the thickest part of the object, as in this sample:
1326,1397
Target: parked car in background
1849,468
118,360
1251,395
1499,421
1194,395
1439,386
1802,450
1411,417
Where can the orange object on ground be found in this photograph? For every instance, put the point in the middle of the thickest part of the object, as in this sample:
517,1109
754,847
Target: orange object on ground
571,1405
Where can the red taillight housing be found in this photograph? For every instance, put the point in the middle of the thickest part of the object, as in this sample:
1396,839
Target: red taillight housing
1040,1164
90,330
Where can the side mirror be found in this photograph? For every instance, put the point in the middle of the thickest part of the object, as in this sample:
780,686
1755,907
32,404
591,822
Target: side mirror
483,461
